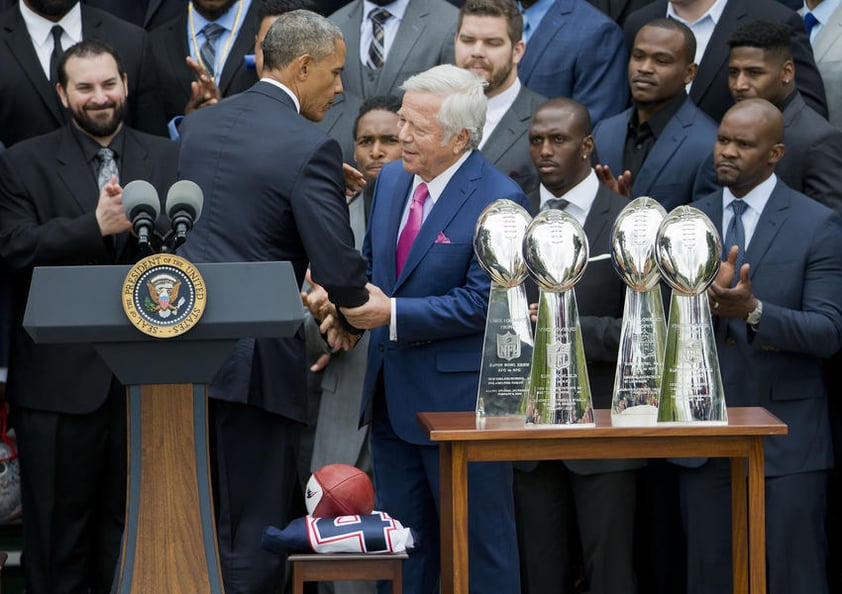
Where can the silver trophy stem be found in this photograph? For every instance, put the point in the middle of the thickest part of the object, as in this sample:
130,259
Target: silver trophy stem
506,353
637,383
559,390
691,389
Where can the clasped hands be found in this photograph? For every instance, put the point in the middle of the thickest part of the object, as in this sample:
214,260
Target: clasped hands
727,301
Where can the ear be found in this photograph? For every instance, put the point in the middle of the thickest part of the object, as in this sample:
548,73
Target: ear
125,86
691,73
302,66
776,153
460,140
788,72
517,51
587,147
62,95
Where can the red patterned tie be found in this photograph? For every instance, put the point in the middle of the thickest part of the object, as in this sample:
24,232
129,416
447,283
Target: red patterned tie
413,225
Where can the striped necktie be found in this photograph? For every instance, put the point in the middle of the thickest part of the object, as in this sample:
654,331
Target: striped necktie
211,31
376,51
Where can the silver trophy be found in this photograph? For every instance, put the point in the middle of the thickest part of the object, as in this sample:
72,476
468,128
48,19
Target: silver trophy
640,358
507,348
556,252
688,249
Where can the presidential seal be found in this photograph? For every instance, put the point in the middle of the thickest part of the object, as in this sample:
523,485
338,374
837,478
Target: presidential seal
164,295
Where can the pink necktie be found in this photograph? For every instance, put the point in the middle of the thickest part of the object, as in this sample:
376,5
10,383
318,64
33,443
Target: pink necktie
413,225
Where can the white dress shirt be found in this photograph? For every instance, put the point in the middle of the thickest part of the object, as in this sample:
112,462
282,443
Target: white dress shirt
390,27
497,108
755,200
580,197
40,32
702,28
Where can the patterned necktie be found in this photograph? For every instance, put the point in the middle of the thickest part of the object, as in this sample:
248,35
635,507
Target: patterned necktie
106,167
413,225
376,51
736,235
810,21
211,31
557,203
55,57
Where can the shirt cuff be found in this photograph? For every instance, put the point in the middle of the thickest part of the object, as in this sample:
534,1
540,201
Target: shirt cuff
393,323
173,125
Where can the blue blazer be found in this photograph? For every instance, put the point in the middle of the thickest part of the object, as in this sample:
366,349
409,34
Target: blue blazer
680,165
578,52
796,271
442,295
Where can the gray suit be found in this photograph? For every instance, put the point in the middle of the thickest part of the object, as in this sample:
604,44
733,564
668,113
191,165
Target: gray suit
508,145
812,161
827,51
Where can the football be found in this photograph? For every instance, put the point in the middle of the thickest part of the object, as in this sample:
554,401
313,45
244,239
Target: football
339,490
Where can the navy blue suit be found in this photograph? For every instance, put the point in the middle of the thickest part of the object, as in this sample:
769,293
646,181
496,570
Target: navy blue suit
442,299
578,52
680,164
795,255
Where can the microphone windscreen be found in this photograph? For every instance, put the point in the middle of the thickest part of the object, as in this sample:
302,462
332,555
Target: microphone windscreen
139,193
185,193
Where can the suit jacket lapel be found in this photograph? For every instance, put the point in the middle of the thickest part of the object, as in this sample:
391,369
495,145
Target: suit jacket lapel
551,25
611,153
76,174
243,44
151,8
665,147
771,219
177,50
718,50
17,38
509,129
398,192
831,33
351,31
410,30
598,224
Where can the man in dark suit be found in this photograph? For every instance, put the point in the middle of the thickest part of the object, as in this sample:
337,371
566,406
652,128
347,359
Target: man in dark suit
29,105
777,316
598,496
416,35
148,14
70,410
488,42
761,66
618,10
710,87
185,85
660,147
256,210
427,314
573,50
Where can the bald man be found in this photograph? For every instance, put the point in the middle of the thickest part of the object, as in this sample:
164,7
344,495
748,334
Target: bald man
777,306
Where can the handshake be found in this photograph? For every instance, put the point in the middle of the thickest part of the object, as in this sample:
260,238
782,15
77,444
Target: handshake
342,328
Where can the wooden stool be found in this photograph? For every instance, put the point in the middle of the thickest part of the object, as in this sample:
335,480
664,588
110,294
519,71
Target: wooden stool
318,567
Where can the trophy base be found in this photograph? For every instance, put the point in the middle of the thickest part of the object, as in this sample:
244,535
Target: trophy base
686,423
643,415
559,425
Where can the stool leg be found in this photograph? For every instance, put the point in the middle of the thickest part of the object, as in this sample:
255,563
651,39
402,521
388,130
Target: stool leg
297,579
397,581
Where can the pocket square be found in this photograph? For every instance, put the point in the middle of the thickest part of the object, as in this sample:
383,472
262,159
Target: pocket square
442,238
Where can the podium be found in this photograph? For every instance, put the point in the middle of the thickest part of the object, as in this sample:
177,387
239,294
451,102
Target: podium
169,541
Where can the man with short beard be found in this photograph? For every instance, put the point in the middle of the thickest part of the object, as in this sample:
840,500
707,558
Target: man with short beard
489,43
60,205
29,105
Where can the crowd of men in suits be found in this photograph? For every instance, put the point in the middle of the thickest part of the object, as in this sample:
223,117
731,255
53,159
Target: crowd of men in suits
731,105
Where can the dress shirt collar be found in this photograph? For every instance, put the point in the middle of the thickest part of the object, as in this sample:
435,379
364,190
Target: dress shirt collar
437,185
40,29
713,13
535,14
228,20
90,147
756,201
497,108
580,197
660,119
823,12
285,89
396,9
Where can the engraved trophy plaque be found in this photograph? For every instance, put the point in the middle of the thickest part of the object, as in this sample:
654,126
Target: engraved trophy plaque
640,358
556,252
507,347
687,250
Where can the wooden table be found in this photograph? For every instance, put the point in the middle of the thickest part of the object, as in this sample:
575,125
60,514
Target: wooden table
461,441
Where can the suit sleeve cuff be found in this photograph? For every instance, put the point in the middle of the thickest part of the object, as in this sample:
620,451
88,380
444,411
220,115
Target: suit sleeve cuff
393,323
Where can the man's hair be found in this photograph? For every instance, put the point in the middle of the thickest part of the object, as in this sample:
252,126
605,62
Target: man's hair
297,33
674,25
273,8
581,116
772,37
381,102
88,48
506,9
464,104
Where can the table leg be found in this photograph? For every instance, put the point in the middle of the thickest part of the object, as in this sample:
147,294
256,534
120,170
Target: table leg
757,517
739,523
453,460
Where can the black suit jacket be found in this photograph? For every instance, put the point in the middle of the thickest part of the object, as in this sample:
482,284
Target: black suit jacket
273,190
600,296
154,14
812,161
48,195
169,50
30,106
710,88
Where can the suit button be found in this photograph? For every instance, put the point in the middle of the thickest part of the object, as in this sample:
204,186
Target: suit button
730,340
380,347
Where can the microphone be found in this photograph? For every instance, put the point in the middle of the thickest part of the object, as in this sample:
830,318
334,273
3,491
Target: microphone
142,207
184,206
